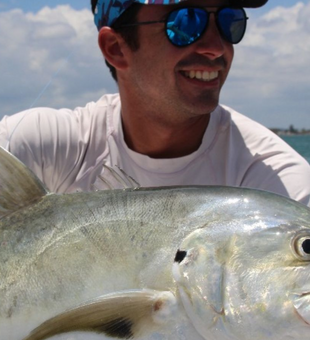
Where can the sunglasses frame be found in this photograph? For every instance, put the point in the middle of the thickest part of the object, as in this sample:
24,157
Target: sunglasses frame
216,13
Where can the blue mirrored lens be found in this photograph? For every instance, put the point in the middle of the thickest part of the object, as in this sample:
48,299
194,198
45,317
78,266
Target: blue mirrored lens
232,24
185,25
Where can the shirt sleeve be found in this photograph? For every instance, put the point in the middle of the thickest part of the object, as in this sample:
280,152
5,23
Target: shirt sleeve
282,173
276,167
247,154
48,141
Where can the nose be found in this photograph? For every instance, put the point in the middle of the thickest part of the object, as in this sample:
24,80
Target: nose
211,43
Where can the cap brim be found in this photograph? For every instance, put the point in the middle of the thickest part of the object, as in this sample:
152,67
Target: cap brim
248,3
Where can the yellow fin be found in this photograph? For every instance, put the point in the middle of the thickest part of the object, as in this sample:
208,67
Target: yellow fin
123,315
19,187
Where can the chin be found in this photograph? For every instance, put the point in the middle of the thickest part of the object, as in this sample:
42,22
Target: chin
201,108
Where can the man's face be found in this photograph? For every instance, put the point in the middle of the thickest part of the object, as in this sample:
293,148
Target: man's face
184,80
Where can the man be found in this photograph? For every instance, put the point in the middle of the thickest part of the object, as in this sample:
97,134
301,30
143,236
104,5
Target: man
165,127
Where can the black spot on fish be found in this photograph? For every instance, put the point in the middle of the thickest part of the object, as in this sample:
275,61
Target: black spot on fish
180,255
306,246
118,328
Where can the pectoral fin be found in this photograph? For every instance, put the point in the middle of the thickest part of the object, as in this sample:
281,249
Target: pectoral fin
123,315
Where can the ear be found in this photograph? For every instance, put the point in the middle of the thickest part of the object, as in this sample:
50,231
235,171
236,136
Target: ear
112,47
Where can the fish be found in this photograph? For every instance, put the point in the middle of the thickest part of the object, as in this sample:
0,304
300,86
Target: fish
213,263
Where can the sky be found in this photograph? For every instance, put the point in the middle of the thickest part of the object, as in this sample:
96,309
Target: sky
49,57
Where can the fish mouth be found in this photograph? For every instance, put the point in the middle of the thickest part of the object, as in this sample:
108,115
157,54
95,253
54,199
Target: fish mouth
301,303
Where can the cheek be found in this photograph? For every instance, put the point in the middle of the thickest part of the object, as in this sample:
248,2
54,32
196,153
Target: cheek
158,59
230,54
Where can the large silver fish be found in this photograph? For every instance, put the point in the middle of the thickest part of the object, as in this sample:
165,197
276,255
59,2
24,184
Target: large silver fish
192,263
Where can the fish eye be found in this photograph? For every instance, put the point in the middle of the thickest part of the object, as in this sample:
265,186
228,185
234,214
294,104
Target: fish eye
301,246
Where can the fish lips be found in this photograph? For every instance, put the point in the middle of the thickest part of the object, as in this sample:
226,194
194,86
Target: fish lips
301,303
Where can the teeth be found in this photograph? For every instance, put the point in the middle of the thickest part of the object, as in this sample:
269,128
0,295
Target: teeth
198,75
202,75
191,74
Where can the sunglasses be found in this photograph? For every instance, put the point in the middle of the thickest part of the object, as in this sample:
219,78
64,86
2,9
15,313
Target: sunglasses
186,25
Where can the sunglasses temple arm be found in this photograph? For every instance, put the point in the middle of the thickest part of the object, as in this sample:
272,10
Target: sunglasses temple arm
143,23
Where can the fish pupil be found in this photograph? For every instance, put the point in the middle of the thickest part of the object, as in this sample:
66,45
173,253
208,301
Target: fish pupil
180,255
306,246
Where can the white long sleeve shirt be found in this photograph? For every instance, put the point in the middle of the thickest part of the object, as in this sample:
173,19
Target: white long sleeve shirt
66,149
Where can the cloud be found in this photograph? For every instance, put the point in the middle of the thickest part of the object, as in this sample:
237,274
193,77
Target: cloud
53,45
269,80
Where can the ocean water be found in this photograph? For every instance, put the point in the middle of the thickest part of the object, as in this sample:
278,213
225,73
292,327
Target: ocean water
301,143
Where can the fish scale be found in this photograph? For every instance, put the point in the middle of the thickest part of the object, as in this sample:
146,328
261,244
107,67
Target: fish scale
169,263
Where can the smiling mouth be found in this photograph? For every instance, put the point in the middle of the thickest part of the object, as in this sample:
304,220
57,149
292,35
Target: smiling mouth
201,75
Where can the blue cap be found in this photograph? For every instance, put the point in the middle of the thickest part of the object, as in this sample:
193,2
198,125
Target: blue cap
107,11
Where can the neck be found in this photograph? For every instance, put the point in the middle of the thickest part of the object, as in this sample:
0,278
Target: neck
161,139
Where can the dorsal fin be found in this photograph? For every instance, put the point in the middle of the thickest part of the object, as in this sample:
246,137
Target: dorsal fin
19,187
